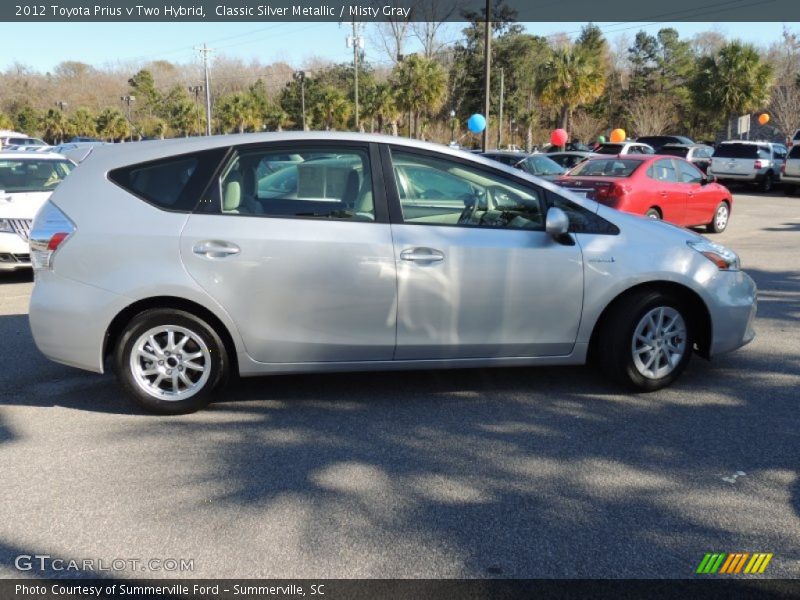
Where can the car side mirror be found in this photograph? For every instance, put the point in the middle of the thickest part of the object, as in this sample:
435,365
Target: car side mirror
707,179
557,226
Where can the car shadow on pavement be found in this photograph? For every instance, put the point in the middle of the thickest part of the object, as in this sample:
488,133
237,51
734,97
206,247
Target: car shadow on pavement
784,227
23,276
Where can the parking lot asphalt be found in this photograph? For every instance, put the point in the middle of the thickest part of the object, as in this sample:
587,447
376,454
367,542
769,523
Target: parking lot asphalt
546,472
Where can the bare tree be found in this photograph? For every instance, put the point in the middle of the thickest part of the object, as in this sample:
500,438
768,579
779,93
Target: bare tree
585,126
785,108
431,15
391,36
651,115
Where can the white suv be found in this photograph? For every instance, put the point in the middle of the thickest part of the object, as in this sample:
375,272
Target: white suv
739,161
790,174
26,182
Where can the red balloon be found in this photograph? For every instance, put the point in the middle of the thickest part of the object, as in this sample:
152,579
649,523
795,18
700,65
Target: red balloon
559,137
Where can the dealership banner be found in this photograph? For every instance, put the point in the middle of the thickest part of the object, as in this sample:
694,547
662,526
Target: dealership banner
400,10
402,589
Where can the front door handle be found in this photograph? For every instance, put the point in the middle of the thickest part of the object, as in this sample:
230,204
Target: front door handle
422,255
215,249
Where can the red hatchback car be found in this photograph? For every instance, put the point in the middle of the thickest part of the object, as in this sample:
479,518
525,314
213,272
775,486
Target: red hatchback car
659,187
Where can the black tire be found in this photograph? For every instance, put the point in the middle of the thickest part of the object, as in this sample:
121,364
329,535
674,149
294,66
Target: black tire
766,183
614,351
718,225
653,213
202,339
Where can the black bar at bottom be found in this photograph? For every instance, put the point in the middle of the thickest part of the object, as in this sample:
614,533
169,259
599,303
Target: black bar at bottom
398,589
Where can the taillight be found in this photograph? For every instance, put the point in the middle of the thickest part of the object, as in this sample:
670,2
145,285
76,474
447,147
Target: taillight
51,228
758,164
617,190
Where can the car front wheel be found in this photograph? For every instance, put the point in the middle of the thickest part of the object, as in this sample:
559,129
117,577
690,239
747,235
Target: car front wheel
170,361
646,341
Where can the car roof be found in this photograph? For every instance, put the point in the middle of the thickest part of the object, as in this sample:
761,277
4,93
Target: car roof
117,155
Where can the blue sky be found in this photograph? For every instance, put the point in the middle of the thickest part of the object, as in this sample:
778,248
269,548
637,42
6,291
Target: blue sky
43,45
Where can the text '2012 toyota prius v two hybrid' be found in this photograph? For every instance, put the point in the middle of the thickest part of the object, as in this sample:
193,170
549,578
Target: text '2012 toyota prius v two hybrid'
181,262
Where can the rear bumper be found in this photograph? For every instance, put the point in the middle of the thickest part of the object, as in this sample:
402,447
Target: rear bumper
69,320
733,311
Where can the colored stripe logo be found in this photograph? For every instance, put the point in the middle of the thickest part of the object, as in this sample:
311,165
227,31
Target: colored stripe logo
734,563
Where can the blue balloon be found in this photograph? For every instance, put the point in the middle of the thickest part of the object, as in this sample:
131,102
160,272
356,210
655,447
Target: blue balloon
476,123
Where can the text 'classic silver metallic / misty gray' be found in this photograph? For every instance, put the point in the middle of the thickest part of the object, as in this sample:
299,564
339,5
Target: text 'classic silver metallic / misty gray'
180,262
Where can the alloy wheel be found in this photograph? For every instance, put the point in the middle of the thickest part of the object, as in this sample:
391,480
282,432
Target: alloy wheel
659,342
169,362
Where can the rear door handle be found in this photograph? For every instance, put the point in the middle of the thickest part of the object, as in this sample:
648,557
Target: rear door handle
215,249
422,255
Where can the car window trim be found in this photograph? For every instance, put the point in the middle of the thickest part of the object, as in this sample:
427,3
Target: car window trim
212,205
393,198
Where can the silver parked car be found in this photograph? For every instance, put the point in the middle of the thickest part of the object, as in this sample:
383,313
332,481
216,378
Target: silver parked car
739,161
181,262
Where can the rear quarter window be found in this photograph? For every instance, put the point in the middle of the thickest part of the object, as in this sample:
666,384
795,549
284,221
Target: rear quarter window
174,183
794,152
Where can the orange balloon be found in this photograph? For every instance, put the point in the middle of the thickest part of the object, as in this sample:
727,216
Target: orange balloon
618,135
763,118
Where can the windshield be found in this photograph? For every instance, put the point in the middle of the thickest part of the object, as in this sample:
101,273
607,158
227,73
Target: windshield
32,175
604,167
674,151
609,149
541,165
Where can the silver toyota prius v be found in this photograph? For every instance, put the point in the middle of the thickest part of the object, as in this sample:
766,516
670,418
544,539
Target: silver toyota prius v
182,262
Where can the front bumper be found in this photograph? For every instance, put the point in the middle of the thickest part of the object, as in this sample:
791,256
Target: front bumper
69,319
733,311
14,252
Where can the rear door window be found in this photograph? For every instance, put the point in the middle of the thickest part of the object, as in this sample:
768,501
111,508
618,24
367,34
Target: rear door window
794,152
312,184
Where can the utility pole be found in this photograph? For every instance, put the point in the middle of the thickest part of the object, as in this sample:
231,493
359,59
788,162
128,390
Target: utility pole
357,42
196,89
205,50
301,77
487,63
500,112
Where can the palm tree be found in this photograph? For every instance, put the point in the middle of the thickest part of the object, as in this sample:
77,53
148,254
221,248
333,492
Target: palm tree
734,82
331,108
54,126
112,125
235,111
382,106
569,78
421,86
82,123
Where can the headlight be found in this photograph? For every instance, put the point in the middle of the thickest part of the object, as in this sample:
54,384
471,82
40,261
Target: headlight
725,258
5,226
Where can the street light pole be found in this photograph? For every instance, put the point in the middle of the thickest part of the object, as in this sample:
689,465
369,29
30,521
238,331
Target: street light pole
487,63
453,125
301,77
205,50
196,89
357,43
127,100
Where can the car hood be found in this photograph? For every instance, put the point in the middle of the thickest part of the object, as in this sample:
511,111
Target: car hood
21,205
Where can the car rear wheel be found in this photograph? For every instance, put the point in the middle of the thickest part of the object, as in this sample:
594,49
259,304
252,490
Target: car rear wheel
721,216
653,213
766,183
170,361
646,341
